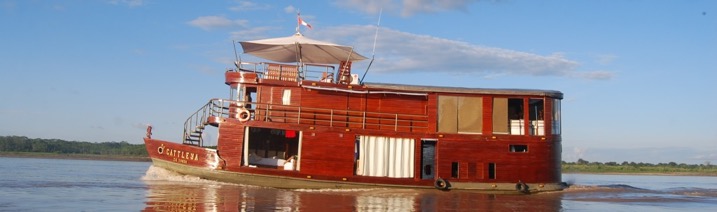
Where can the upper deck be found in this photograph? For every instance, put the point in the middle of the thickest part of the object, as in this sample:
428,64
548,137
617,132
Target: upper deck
327,76
310,95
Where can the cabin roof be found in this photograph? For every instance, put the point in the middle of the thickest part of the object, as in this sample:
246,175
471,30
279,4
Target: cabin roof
463,90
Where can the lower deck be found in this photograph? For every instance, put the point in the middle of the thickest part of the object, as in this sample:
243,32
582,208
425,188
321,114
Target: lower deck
344,157
372,156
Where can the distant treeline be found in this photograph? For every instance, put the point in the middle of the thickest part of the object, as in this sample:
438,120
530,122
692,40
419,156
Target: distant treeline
38,145
583,166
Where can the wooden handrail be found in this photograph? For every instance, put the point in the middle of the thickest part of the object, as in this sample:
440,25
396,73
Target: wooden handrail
312,116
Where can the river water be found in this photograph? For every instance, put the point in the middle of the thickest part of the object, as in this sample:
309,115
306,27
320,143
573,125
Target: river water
28,184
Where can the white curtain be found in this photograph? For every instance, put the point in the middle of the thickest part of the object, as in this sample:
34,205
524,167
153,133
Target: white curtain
386,157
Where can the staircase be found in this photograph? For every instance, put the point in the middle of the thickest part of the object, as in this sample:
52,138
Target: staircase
209,114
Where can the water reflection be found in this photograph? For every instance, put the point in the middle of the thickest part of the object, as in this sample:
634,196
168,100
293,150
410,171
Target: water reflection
174,196
171,192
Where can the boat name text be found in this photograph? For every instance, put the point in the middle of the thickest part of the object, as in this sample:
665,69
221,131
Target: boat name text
178,155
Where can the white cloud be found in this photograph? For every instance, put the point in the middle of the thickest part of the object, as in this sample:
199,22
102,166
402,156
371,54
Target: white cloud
213,22
398,51
289,9
406,7
606,59
251,34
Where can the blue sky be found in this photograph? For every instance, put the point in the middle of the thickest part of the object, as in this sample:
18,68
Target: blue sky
638,76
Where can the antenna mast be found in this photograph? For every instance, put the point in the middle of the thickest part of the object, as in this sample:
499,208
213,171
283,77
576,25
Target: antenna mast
237,59
373,53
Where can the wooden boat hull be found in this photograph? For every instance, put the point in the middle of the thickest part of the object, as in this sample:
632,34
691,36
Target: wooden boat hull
206,164
286,128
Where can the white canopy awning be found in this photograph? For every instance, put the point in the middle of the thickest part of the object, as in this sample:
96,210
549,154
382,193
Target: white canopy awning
297,48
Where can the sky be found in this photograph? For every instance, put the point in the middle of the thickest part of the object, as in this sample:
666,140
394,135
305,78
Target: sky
638,77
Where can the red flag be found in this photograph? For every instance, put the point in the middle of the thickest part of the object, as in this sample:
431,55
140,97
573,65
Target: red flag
302,22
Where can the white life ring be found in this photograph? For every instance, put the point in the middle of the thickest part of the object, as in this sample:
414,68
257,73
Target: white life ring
243,114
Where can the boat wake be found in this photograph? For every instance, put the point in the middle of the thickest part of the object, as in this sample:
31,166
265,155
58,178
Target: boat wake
622,193
157,174
695,192
621,188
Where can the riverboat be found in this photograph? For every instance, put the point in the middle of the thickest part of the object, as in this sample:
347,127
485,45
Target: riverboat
303,119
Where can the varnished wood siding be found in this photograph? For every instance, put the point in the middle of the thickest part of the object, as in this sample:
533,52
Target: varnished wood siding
536,165
432,110
324,99
327,153
487,115
401,104
275,95
356,102
230,143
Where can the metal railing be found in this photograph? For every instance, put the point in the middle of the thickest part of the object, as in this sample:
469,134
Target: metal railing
195,124
278,113
307,71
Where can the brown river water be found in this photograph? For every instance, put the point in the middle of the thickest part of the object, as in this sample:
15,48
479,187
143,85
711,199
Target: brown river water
29,184
171,192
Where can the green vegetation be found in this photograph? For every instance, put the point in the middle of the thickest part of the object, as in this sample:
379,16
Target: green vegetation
20,146
671,168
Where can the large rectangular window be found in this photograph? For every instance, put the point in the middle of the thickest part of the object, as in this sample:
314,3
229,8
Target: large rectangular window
515,114
500,115
447,114
460,114
470,114
508,116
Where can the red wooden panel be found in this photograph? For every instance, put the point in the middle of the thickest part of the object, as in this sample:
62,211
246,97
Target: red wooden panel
230,143
328,154
403,104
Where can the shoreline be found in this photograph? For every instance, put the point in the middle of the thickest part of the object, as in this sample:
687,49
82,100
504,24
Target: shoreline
147,159
75,156
694,174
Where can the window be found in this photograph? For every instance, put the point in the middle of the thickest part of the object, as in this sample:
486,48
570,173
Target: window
500,115
518,148
536,113
286,97
234,93
460,114
515,114
556,117
508,116
454,170
248,95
